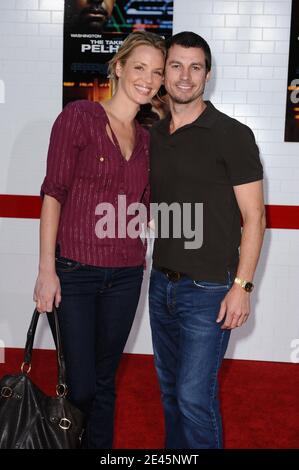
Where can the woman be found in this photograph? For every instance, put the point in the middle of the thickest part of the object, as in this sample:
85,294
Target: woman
97,154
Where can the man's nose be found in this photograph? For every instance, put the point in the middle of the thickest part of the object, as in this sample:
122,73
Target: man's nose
185,73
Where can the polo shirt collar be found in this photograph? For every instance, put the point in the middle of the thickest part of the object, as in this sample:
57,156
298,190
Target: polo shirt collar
206,119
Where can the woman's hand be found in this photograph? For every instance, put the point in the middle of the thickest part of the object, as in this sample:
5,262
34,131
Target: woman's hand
47,291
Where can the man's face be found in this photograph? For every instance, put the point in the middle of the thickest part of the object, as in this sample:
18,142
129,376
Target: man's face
93,13
185,74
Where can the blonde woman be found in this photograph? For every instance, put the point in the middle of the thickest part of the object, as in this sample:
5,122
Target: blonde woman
97,153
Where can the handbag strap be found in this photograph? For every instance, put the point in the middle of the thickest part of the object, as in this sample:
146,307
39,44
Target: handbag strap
61,388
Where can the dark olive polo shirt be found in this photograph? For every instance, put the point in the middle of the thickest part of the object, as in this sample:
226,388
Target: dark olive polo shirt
200,163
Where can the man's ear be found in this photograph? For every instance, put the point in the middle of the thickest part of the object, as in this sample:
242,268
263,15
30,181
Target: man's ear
208,76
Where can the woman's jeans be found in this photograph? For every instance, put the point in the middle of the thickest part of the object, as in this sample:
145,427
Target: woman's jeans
188,346
95,315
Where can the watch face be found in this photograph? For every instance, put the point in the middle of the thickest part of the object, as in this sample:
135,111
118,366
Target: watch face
248,286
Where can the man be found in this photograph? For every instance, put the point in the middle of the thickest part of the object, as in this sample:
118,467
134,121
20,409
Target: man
198,294
89,15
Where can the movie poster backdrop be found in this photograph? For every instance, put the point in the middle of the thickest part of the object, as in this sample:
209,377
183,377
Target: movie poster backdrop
292,106
93,32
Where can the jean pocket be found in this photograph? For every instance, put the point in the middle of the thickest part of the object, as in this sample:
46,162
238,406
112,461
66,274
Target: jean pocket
211,286
66,265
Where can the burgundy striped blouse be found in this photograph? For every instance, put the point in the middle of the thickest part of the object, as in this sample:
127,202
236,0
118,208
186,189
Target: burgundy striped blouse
85,168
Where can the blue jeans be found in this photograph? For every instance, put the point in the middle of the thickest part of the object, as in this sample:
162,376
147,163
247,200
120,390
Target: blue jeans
188,348
95,316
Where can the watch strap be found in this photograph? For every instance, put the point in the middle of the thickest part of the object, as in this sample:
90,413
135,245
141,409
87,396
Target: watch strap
246,285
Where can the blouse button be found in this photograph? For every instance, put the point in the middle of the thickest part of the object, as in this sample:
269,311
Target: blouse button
101,159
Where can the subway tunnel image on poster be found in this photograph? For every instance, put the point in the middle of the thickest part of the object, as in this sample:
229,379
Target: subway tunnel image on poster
93,32
292,105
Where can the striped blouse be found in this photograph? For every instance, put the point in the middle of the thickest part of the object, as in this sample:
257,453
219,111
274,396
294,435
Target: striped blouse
84,169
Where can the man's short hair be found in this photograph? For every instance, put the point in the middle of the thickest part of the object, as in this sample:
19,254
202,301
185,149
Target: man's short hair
190,39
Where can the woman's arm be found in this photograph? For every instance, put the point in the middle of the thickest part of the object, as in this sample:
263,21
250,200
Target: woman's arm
65,142
47,287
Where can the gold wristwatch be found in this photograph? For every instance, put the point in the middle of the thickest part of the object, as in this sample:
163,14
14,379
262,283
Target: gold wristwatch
246,285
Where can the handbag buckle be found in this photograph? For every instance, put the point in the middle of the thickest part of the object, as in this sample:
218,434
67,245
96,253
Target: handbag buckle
6,392
64,423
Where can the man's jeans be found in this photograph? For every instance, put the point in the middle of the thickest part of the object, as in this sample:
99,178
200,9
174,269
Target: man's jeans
95,316
189,347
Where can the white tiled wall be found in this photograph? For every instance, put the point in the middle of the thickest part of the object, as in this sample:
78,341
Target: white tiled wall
249,42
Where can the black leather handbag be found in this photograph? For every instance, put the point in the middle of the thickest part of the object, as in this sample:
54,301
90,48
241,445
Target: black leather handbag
29,419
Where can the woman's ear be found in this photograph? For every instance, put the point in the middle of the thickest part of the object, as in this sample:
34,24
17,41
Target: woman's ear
118,69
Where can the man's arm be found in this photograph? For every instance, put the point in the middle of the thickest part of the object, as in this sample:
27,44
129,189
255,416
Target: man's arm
235,307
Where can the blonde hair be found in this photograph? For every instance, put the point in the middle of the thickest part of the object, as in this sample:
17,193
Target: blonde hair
135,39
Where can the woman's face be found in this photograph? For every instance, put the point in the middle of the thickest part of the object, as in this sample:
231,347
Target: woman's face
141,76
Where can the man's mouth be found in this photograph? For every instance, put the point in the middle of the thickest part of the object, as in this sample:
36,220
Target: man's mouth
184,87
95,13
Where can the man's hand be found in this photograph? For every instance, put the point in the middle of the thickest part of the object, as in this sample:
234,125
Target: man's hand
151,224
235,308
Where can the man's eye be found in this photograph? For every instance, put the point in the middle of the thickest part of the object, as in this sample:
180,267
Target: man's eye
138,67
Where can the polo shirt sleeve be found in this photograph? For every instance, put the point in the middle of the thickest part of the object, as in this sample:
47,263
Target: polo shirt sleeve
66,141
240,154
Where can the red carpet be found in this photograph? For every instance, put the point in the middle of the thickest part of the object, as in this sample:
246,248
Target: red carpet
260,401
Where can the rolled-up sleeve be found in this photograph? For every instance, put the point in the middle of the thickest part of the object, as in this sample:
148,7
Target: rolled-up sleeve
66,141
